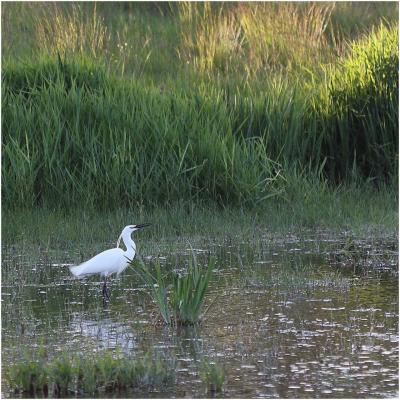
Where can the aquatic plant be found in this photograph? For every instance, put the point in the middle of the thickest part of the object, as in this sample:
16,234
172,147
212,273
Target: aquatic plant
29,376
86,376
89,376
61,373
213,375
179,297
188,292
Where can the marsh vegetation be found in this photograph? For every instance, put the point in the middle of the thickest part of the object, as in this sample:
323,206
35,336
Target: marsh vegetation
260,139
277,304
245,109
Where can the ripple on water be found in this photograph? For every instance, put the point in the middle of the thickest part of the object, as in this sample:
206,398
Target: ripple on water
308,340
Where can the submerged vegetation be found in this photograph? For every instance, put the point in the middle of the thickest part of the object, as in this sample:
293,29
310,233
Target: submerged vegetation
235,110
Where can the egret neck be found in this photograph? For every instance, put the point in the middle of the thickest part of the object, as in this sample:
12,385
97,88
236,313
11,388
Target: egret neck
129,244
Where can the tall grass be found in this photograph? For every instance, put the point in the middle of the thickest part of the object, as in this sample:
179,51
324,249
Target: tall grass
176,38
361,120
78,133
213,375
125,143
71,32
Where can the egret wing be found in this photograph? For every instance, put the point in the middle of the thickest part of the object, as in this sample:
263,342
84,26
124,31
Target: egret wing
107,262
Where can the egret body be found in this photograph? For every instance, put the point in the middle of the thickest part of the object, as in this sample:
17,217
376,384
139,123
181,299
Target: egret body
112,260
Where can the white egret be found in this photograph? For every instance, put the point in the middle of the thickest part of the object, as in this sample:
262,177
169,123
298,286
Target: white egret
112,260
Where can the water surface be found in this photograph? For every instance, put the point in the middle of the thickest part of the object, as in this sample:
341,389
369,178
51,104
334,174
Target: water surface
310,317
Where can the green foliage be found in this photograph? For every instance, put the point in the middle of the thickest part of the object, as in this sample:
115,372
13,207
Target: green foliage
158,289
216,111
30,78
29,376
213,375
123,145
180,298
89,376
360,119
188,293
61,374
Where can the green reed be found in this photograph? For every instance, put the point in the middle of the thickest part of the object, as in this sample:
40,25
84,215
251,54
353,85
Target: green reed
78,134
87,376
128,143
179,297
188,293
213,375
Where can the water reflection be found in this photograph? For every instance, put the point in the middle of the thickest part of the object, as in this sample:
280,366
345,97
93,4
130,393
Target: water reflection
278,329
109,333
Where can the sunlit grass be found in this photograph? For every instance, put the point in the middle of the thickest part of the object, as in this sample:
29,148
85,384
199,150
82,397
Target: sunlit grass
60,115
207,105
196,38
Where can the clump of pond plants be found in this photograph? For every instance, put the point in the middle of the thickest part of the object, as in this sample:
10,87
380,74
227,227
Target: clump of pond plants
78,375
213,375
179,297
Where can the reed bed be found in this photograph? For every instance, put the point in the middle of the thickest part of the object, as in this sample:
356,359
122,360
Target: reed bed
84,376
228,111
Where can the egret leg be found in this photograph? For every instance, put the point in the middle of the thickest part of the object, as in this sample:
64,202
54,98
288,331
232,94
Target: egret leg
106,292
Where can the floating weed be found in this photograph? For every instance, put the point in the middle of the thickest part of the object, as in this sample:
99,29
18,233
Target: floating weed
213,375
296,277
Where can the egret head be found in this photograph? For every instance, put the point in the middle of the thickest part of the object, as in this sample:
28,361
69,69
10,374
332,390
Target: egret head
130,229
137,227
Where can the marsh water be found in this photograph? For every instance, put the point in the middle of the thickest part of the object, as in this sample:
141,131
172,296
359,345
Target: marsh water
310,316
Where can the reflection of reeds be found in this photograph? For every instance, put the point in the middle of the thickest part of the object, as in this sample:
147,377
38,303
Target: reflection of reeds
180,298
88,376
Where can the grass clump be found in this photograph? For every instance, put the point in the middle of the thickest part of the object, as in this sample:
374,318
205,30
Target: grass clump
360,120
188,293
213,375
88,376
61,372
29,376
179,298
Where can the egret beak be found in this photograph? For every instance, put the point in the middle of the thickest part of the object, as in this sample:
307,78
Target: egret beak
141,226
